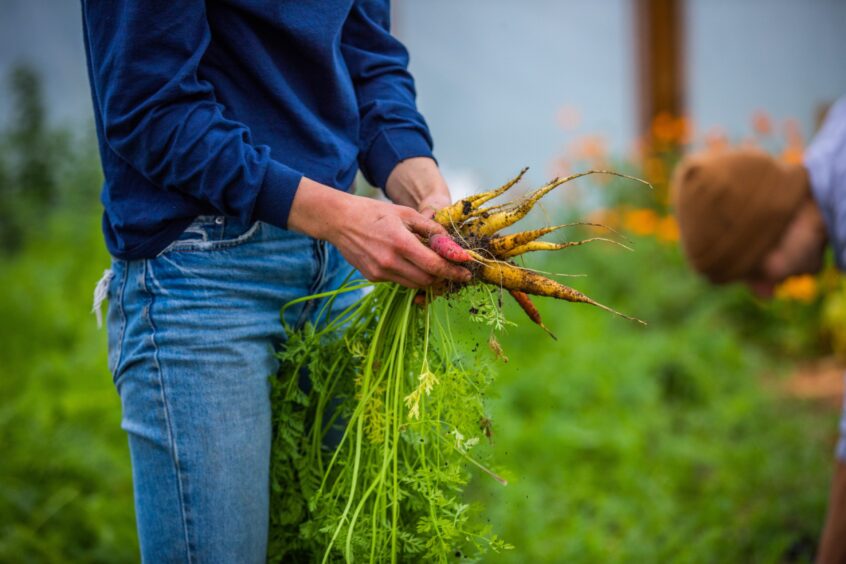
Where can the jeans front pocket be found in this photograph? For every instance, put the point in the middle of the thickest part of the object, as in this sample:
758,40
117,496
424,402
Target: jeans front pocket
209,233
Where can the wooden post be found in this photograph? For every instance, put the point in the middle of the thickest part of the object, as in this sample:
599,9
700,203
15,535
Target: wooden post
660,57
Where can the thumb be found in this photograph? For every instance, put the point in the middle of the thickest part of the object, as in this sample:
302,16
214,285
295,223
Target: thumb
430,205
424,226
428,211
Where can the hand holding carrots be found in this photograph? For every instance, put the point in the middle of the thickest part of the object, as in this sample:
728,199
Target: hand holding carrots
378,238
386,241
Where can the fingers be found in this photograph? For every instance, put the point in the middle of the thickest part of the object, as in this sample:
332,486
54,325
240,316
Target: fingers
408,283
394,267
428,211
422,225
430,206
418,266
429,262
424,258
415,281
419,277
402,257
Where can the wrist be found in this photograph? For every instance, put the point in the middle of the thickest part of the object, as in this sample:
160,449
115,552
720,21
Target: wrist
415,181
316,208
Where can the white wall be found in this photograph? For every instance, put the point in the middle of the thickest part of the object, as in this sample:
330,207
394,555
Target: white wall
48,35
783,56
491,75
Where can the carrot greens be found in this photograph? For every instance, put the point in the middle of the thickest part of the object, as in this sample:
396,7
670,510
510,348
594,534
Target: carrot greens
370,463
378,412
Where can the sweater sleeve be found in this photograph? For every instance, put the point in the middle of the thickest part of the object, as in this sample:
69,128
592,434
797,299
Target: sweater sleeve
392,129
162,118
825,160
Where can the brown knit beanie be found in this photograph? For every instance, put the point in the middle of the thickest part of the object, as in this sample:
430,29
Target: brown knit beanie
733,207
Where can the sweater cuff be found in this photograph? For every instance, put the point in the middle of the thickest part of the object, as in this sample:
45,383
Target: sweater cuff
389,148
273,203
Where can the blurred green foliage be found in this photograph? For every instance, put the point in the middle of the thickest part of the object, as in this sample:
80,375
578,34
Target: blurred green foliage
663,443
43,168
621,443
65,487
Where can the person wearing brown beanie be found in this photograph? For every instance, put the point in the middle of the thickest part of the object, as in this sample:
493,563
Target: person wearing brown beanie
746,217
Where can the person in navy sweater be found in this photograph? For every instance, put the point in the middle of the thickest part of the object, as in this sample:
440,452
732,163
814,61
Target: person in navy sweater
230,134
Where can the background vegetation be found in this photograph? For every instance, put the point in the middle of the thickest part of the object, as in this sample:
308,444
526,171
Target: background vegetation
671,442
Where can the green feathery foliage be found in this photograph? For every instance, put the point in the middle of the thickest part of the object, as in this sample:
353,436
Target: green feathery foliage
408,404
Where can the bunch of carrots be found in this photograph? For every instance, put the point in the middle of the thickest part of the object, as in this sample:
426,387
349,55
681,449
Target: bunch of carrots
475,242
370,462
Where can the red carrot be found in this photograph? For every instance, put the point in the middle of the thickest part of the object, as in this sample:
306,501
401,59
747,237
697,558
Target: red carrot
525,302
447,248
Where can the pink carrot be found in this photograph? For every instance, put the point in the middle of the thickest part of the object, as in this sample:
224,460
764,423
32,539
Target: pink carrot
447,248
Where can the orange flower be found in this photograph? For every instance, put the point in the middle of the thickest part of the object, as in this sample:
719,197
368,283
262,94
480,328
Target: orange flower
685,131
793,133
593,147
798,288
654,170
792,155
664,128
667,229
716,139
608,217
761,123
641,221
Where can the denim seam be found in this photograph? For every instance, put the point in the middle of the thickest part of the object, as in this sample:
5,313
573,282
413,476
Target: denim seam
183,502
321,257
325,257
119,299
194,246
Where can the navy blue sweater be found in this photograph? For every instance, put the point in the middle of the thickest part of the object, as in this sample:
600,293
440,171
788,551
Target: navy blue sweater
221,107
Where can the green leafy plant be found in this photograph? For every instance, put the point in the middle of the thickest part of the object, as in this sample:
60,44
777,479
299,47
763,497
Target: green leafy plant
387,377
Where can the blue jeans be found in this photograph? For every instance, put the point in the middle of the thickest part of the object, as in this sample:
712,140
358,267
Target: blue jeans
192,335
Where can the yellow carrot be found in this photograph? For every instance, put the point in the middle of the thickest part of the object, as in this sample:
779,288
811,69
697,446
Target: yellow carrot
456,213
500,244
511,277
497,221
547,246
